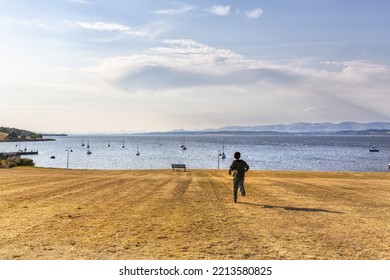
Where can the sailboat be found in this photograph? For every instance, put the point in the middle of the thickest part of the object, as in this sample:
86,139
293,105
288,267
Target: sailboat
183,146
82,142
88,144
388,166
372,148
123,145
223,155
137,153
109,145
89,152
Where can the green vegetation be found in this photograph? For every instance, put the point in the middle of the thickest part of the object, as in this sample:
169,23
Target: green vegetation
16,134
14,162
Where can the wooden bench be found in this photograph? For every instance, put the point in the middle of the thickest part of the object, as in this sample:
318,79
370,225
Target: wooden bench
175,165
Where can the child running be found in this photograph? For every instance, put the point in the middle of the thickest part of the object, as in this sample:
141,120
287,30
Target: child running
239,167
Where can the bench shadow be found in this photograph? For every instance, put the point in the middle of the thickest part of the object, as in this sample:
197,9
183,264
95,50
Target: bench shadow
289,208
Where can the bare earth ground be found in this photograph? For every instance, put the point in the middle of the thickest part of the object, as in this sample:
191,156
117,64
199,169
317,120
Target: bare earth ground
161,214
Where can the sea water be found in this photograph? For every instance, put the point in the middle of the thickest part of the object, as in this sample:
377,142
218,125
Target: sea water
262,152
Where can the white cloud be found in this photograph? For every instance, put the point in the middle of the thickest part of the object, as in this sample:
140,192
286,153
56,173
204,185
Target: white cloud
103,26
150,30
197,74
311,109
180,9
187,57
256,13
171,83
81,1
359,72
181,61
46,24
219,10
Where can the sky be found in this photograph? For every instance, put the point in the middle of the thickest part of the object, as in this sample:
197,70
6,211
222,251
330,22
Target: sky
79,66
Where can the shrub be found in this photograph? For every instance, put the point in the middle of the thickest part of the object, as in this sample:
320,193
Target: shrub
25,162
13,162
7,163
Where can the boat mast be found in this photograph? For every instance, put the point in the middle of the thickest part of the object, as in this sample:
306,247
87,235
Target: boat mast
223,156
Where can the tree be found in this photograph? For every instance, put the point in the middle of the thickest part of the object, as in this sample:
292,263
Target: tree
35,136
12,136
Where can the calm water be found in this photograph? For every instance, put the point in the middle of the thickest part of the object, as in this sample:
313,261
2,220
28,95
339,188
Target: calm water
322,153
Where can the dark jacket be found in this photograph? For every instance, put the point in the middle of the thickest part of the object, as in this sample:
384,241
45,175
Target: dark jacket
240,166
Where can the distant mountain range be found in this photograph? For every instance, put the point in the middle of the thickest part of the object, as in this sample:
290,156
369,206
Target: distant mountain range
309,127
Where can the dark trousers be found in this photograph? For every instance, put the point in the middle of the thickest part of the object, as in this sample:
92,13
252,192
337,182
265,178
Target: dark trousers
238,183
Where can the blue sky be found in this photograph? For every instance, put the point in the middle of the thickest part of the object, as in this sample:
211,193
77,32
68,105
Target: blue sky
111,66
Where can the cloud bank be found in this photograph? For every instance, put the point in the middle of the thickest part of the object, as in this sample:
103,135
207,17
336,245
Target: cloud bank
189,70
110,61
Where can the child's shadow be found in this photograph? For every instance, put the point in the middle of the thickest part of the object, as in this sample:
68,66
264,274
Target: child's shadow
289,208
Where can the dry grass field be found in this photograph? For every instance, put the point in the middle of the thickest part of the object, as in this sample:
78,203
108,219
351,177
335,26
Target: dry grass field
3,135
161,214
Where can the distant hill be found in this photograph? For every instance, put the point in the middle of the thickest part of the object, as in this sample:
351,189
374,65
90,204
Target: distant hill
344,128
18,131
17,134
310,127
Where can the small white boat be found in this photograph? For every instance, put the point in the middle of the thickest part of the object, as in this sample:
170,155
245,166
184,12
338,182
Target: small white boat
372,148
89,152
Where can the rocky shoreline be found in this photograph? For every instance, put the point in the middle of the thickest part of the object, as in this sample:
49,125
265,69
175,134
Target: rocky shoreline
28,140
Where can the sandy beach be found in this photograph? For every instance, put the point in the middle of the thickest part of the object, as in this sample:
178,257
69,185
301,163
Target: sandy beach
164,214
